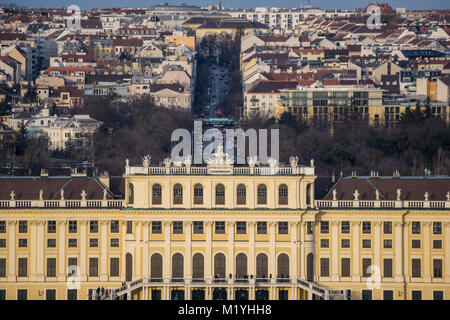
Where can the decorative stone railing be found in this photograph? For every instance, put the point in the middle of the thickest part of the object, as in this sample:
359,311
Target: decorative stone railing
61,203
382,204
233,170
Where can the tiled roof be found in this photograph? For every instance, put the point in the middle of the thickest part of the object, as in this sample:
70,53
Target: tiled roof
412,188
267,86
27,188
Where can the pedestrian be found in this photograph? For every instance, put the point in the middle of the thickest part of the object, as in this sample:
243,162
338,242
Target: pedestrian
103,291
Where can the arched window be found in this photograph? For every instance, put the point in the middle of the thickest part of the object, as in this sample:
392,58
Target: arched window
283,267
130,193
283,194
156,194
156,266
262,194
177,267
198,267
128,267
241,194
220,194
178,194
198,194
241,266
261,267
219,266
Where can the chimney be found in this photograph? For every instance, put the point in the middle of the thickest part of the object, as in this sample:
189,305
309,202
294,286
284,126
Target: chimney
104,179
44,173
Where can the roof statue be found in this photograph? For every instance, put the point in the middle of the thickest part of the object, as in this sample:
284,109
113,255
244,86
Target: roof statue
220,158
356,194
167,162
293,160
146,161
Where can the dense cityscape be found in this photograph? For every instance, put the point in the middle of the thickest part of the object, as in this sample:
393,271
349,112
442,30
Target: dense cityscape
89,102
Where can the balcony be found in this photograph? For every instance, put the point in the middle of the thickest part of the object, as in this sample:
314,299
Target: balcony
403,204
61,204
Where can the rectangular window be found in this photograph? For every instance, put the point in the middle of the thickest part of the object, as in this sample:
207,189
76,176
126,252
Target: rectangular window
437,227
115,226
437,268
114,267
438,295
241,227
416,268
261,227
22,294
416,295
324,243
219,227
2,243
2,295
2,226
129,227
366,294
366,263
93,267
309,227
23,226
177,227
50,294
156,227
324,227
366,227
72,267
415,228
71,294
283,228
387,243
198,227
387,268
156,294
23,267
93,226
2,267
415,244
51,267
93,243
72,226
345,267
345,243
23,243
114,242
388,295
437,244
73,243
387,227
51,226
345,227
366,243
324,267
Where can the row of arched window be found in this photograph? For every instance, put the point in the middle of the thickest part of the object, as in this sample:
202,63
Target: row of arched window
241,194
198,263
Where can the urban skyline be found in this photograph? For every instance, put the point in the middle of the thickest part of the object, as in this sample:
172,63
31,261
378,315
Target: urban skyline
323,4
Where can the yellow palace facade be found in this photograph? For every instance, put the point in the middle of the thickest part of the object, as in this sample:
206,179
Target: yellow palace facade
224,232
